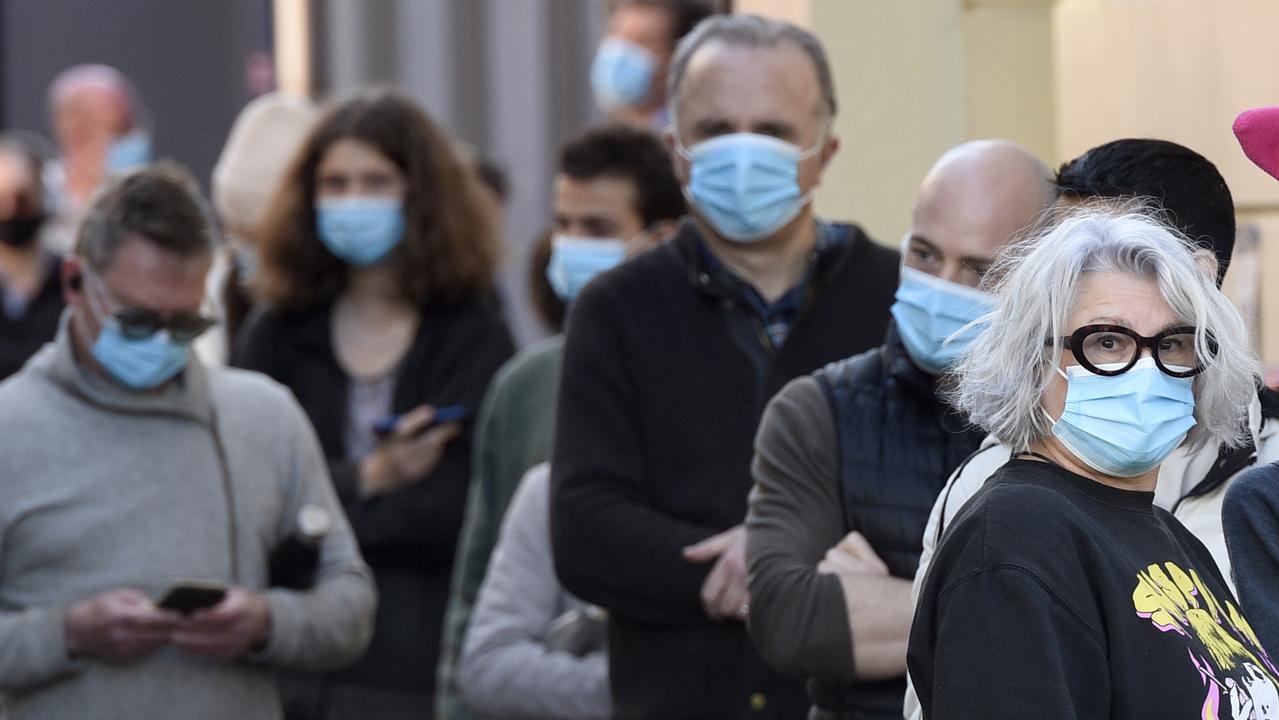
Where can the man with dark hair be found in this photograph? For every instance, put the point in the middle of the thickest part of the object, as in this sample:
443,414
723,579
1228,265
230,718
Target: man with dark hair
1192,485
615,196
848,460
629,73
1179,179
166,471
670,359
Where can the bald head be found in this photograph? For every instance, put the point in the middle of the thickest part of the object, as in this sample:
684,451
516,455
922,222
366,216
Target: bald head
974,199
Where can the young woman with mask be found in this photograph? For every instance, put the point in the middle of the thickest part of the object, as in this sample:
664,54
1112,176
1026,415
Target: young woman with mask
1060,591
377,259
32,297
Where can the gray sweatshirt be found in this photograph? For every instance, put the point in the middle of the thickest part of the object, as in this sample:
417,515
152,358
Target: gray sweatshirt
505,670
103,488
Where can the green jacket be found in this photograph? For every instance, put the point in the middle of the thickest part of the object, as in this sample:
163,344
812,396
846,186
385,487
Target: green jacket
512,434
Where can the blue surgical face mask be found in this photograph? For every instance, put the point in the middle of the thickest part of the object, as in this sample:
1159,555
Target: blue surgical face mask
622,74
1125,425
127,152
746,185
360,231
576,260
143,364
933,318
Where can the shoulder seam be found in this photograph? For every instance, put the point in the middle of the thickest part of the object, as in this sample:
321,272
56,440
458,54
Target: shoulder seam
1048,590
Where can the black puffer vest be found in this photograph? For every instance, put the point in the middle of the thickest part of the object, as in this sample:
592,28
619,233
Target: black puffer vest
898,443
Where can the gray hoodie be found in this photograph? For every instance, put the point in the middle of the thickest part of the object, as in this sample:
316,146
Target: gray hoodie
103,488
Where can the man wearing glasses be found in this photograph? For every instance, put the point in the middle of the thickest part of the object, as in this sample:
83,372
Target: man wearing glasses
144,493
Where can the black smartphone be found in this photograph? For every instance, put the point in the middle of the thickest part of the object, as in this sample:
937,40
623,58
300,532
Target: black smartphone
447,413
187,596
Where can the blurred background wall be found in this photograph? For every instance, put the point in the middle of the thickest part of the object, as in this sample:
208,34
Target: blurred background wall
509,78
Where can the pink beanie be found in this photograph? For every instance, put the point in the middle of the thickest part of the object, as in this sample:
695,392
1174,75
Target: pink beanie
1258,134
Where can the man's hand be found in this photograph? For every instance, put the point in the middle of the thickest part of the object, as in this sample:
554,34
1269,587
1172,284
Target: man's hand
878,605
725,594
119,625
852,556
233,627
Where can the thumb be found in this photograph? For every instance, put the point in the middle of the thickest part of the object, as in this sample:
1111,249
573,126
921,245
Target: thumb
708,549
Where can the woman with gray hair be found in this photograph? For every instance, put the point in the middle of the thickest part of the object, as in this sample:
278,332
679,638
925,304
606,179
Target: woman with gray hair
1060,591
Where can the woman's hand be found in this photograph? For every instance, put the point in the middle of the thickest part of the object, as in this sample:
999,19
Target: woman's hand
411,452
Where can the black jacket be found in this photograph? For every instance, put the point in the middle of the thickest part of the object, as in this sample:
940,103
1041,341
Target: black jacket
20,337
659,403
408,536
898,442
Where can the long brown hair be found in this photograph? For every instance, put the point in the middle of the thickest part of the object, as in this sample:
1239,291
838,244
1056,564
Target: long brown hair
450,246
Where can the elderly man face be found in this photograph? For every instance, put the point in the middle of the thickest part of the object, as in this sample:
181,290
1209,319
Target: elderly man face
769,90
88,118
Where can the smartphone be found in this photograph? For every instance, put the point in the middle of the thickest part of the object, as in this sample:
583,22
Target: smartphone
447,413
187,596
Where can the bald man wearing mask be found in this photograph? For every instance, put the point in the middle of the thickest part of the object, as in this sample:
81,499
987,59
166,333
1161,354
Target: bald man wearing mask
850,459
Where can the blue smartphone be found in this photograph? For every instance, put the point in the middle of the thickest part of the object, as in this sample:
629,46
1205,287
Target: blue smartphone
447,413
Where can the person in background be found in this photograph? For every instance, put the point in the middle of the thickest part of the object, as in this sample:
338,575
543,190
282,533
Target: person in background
615,195
29,282
861,448
102,129
669,360
1061,590
377,310
628,75
263,140
131,466
1250,513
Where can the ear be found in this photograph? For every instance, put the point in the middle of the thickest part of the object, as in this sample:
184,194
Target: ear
832,146
672,149
72,275
1207,263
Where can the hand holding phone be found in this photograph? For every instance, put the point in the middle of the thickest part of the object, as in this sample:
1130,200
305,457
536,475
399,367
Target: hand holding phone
416,445
447,413
187,596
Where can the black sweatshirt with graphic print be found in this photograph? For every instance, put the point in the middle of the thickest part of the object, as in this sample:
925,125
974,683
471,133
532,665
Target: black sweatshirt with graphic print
1054,596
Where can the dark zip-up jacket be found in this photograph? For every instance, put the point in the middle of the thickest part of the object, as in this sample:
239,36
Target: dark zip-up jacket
408,536
659,403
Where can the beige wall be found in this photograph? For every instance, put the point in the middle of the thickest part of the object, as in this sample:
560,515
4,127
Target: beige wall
915,77
1180,70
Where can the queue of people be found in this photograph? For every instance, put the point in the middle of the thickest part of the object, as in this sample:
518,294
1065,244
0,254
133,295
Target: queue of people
1015,465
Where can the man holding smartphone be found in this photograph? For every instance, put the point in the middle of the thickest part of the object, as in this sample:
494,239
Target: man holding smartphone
144,494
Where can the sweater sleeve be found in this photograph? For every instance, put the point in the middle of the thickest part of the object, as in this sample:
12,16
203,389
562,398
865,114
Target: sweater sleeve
1250,516
505,669
475,546
1048,663
798,618
612,548
33,647
329,625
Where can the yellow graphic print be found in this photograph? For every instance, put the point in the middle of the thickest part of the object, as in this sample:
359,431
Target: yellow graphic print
1240,680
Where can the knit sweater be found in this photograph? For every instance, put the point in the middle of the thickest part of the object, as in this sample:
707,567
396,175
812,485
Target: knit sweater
105,488
659,402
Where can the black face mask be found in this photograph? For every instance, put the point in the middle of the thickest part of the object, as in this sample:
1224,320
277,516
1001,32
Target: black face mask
20,231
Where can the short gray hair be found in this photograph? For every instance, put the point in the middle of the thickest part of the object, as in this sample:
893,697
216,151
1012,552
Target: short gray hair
751,31
1000,381
159,203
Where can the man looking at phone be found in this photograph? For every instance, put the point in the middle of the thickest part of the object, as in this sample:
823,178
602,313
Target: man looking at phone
130,466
